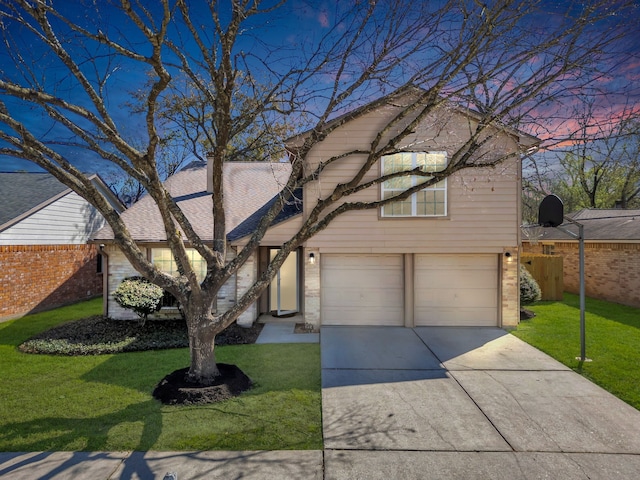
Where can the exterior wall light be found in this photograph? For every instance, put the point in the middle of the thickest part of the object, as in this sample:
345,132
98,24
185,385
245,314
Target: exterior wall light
312,258
508,257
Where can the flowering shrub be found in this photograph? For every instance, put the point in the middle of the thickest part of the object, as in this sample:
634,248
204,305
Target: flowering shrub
139,295
529,289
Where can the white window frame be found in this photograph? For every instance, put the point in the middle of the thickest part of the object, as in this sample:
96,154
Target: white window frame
168,265
387,187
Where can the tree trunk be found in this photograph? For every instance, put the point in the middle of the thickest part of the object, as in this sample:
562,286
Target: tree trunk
202,335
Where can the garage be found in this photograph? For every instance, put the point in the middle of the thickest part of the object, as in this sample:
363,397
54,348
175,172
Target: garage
362,289
459,290
448,290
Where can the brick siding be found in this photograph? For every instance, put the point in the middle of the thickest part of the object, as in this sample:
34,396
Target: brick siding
612,270
312,289
510,291
41,277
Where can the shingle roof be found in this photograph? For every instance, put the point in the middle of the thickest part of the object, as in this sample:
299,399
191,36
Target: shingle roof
21,193
292,208
601,224
248,186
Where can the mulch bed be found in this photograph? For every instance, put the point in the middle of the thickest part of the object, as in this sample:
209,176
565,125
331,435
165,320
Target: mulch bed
175,389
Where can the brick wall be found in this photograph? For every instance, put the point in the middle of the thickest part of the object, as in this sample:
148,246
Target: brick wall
40,277
612,270
246,276
312,289
510,290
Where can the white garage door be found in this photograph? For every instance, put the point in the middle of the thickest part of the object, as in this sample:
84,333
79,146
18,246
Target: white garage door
362,290
459,290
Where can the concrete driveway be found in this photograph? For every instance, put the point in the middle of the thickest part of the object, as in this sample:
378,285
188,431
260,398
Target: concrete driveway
440,402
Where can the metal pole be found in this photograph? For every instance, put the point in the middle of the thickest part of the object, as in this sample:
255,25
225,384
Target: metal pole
583,355
580,237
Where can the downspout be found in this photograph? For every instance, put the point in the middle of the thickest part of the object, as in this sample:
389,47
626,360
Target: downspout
105,280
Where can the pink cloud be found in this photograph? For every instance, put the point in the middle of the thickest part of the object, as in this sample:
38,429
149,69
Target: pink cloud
323,19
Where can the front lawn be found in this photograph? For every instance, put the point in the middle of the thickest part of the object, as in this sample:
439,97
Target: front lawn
612,341
104,402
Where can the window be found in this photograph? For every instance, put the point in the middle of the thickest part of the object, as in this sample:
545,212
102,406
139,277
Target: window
429,202
163,259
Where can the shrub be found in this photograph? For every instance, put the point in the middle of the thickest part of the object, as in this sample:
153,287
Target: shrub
529,289
139,295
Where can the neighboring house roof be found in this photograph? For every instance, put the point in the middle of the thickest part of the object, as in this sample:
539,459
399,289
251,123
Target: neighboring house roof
248,187
25,193
601,225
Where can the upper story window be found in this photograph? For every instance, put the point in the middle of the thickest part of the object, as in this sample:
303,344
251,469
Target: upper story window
428,202
163,259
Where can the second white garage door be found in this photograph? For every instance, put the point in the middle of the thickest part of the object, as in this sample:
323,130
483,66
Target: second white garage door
458,290
362,289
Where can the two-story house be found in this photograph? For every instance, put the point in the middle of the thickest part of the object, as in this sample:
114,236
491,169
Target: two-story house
446,256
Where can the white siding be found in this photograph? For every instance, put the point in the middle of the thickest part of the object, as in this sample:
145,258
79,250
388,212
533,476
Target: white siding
68,220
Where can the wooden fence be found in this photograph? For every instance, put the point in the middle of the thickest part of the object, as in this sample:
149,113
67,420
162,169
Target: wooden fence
547,271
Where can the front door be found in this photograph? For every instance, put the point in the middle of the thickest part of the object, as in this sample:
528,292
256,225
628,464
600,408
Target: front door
283,297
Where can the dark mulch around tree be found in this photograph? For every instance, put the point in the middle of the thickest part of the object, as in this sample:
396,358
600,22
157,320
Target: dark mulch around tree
526,314
175,389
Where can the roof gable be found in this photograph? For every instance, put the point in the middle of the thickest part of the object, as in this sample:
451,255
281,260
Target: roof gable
405,95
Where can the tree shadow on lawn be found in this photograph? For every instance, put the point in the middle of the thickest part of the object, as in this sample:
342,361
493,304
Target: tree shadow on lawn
68,431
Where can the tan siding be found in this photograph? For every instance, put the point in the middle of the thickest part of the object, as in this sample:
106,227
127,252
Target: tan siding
482,203
482,217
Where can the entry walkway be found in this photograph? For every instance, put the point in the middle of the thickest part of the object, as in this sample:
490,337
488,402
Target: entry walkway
423,403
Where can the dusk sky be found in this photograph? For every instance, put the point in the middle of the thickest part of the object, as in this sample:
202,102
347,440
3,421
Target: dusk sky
295,28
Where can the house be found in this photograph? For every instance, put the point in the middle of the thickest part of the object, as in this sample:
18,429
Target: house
248,187
44,228
612,254
446,256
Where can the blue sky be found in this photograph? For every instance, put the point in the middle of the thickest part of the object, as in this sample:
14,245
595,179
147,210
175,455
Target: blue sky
295,28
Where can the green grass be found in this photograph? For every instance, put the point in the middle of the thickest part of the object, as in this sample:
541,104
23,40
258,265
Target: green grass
612,341
104,402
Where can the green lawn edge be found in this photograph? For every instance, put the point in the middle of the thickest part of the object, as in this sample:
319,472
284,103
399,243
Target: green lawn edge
104,402
612,333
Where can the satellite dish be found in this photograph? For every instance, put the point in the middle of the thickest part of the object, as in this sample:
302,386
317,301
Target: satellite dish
551,211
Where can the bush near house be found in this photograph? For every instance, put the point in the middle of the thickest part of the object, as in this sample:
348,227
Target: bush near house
529,289
139,295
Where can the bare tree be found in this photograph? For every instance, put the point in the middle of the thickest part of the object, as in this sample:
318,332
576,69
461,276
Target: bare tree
597,165
505,60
